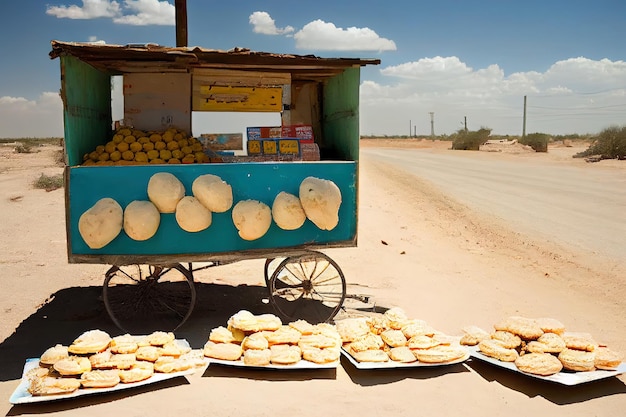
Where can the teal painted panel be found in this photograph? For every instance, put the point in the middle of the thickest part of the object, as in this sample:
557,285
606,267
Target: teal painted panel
259,181
86,108
341,114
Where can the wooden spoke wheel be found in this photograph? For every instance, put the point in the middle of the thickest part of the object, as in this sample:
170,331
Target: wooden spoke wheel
308,286
141,299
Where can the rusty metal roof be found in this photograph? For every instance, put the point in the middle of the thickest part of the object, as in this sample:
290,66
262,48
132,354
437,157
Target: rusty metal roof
120,59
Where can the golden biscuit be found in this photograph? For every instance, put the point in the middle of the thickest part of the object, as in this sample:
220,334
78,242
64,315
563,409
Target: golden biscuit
286,334
102,360
72,365
321,355
92,341
417,328
173,348
402,354
547,343
285,354
377,324
370,341
396,318
140,371
494,349
54,354
507,339
423,342
394,338
539,364
371,355
607,359
255,341
221,335
169,364
123,344
440,354
472,335
257,357
303,326
223,351
577,360
48,385
100,378
550,325
159,338
526,328
319,341
123,360
579,341
351,329
147,353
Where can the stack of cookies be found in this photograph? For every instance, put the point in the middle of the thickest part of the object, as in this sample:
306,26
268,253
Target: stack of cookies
392,336
97,360
261,340
541,346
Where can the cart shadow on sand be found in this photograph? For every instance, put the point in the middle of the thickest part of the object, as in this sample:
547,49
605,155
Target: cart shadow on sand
71,311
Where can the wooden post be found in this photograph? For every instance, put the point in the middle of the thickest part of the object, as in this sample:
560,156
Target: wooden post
181,23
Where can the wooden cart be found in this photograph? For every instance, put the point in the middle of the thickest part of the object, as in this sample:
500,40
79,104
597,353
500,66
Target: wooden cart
153,279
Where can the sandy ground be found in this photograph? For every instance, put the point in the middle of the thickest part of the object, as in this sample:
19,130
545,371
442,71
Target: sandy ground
417,249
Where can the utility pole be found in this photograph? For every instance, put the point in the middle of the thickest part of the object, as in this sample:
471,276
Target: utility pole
432,123
465,118
181,23
410,128
524,125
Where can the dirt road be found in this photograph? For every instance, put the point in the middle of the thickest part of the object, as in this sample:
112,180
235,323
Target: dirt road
418,249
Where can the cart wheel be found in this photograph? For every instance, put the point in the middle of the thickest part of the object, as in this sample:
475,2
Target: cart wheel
146,298
270,267
308,286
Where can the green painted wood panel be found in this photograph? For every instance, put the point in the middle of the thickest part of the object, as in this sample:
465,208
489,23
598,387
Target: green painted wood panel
340,119
87,118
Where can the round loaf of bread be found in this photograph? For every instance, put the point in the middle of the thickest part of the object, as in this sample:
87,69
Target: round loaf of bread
101,223
213,192
320,200
141,220
287,211
191,215
165,191
252,219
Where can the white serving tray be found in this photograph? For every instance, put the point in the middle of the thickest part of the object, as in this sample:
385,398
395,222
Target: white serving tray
563,377
22,396
390,364
302,364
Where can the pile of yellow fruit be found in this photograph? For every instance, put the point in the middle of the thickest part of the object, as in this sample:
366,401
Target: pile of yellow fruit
136,147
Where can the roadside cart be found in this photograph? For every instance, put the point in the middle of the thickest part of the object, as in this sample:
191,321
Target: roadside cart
153,279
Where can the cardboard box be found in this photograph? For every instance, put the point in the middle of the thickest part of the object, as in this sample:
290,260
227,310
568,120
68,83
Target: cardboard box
263,132
303,132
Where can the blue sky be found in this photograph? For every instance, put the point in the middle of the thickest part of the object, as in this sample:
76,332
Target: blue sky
462,60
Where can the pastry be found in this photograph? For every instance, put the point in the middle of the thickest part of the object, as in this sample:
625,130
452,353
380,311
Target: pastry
285,354
607,359
53,354
100,378
147,353
48,385
221,335
256,357
577,360
547,343
472,335
72,366
393,338
579,341
402,354
440,354
139,371
507,339
303,326
351,329
123,344
223,351
92,341
285,334
321,355
539,364
494,349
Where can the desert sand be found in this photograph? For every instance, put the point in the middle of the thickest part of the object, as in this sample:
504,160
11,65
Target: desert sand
417,249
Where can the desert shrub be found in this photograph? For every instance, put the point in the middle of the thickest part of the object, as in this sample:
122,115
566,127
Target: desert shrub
537,141
49,182
609,144
23,148
469,140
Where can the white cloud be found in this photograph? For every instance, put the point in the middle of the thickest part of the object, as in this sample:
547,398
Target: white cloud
91,9
263,23
131,12
576,95
42,117
320,35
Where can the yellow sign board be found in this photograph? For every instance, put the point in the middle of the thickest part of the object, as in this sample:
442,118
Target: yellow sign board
236,98
289,146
